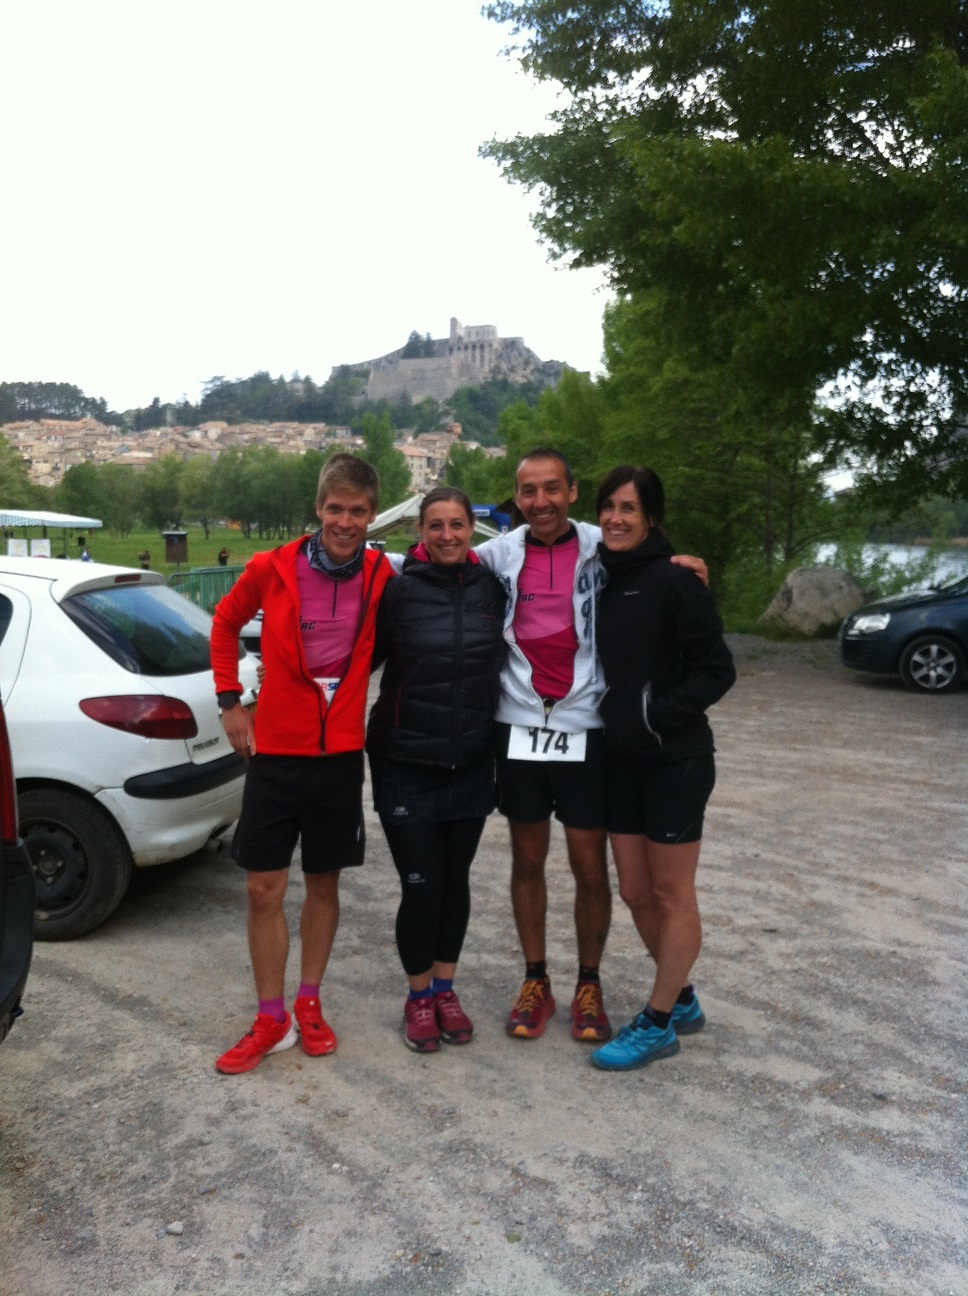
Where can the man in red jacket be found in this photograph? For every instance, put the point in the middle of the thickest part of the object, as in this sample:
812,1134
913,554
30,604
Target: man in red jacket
319,597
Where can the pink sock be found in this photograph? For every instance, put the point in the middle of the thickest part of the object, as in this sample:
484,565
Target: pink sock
307,991
273,1008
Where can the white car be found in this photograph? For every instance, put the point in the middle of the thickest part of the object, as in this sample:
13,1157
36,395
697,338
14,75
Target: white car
120,755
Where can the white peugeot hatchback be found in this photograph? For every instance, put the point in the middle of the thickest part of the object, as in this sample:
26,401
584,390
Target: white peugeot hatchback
120,755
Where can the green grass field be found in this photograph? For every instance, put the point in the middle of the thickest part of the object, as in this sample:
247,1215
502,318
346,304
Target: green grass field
124,550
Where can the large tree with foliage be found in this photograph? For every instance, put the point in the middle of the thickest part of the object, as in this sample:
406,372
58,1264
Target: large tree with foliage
196,487
15,485
160,501
785,182
379,451
50,400
738,487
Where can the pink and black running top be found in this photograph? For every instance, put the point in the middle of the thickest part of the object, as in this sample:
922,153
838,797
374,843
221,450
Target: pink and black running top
544,616
329,614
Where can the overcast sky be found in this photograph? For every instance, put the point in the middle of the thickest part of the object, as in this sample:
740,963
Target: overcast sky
209,187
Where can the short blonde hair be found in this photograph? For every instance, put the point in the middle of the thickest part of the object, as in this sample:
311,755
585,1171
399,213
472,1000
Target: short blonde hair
346,472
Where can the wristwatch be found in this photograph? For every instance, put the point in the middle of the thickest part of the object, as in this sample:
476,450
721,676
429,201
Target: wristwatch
226,701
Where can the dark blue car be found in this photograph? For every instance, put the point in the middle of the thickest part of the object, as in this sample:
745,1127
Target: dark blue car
921,635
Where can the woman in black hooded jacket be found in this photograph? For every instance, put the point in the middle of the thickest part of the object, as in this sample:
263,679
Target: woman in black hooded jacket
430,741
664,659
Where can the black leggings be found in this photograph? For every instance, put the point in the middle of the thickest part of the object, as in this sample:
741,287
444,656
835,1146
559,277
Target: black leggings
434,862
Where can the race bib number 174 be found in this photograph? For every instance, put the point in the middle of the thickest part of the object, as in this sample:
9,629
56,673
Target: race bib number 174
536,744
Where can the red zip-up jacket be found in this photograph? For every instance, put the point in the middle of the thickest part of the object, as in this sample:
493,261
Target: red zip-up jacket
292,718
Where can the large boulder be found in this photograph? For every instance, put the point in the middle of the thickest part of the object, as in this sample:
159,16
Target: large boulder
813,601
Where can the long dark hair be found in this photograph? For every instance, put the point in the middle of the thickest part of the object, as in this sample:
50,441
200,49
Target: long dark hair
648,487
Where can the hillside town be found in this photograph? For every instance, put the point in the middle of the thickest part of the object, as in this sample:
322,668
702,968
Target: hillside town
51,446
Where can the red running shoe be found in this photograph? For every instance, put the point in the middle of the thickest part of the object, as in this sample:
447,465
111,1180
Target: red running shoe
421,1032
315,1036
531,1011
589,1021
266,1036
455,1025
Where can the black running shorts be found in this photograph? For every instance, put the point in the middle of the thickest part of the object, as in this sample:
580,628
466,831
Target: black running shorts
317,800
665,803
574,791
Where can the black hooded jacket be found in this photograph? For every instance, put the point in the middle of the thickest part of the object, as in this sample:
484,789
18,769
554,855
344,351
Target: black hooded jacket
661,646
441,630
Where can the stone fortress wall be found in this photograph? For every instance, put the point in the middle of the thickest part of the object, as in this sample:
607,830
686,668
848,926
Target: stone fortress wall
469,356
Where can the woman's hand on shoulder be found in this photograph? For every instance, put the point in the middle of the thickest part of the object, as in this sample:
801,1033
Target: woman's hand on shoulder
696,565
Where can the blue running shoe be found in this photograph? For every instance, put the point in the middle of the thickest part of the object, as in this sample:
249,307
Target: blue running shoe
639,1042
687,1019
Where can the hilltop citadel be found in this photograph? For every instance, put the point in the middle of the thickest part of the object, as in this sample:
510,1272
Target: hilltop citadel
466,358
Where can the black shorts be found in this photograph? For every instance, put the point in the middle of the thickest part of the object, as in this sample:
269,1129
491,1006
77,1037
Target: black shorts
665,803
529,791
318,799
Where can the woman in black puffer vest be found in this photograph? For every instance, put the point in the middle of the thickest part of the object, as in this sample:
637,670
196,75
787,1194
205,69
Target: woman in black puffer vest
440,629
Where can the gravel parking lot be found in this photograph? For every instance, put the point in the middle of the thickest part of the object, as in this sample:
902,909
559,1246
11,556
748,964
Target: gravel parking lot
810,1140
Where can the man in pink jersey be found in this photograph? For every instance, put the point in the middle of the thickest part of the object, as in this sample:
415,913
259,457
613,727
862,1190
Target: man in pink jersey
319,597
550,736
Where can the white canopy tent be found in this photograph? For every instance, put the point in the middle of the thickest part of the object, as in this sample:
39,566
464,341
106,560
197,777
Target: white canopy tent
45,519
40,518
391,518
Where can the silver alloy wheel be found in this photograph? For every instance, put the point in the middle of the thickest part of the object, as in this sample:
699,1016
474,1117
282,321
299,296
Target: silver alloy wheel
933,666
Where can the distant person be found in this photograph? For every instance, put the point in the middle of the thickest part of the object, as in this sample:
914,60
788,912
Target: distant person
85,554
664,659
145,559
319,595
223,557
440,629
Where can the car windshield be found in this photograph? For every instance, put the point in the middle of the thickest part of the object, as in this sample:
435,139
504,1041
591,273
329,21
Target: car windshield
957,586
147,629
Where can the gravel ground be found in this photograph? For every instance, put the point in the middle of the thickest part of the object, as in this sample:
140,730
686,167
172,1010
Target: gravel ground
810,1140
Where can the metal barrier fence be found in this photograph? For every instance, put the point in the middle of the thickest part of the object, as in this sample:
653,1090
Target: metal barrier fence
205,585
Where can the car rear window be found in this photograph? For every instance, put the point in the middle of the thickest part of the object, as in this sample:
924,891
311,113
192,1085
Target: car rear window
147,629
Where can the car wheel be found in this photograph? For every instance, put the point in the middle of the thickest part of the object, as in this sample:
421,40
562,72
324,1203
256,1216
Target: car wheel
81,862
932,664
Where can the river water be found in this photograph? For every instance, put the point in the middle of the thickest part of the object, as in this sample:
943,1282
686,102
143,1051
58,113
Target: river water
949,563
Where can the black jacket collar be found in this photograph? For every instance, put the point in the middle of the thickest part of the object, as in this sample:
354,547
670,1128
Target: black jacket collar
570,534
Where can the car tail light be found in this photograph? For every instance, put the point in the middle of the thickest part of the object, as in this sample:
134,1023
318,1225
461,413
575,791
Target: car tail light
8,789
147,714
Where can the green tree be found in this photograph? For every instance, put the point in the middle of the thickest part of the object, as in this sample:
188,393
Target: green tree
118,491
472,471
196,488
159,500
15,485
389,462
274,490
79,491
233,490
37,400
106,491
785,184
307,471
740,487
